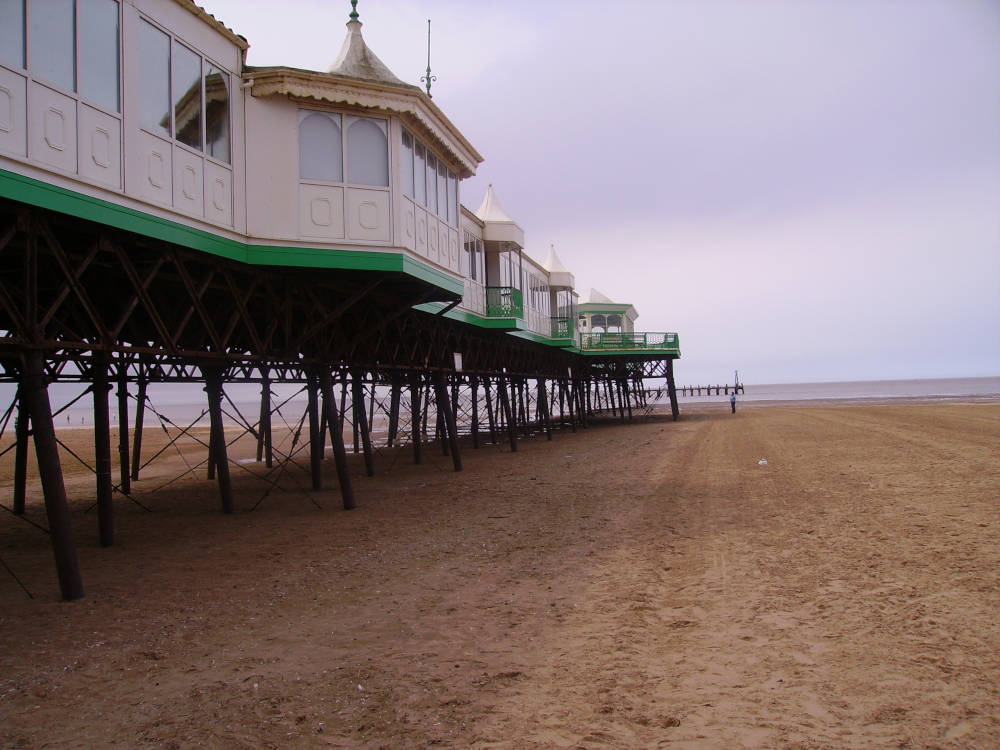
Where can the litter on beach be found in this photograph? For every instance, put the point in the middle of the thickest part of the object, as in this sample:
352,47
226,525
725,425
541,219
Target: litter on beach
762,462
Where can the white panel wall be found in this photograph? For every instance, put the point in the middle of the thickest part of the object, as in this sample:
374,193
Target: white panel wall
272,161
151,168
100,147
321,212
13,113
368,215
51,128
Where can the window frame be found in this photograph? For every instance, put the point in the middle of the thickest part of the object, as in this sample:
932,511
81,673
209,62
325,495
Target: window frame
74,93
305,112
445,209
206,63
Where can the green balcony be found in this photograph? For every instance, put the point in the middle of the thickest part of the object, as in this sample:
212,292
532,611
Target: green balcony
562,328
604,342
504,302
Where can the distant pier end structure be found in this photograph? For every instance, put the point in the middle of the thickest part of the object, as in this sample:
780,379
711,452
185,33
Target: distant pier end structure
170,214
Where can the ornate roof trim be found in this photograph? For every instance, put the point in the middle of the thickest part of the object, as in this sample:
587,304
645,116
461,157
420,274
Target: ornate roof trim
400,98
204,15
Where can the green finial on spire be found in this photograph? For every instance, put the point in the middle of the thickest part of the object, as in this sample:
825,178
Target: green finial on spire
426,79
354,10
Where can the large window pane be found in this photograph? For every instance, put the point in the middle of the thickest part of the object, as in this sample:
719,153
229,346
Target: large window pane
216,113
452,200
52,42
419,168
367,152
154,74
98,75
442,181
406,157
186,87
12,33
432,202
320,154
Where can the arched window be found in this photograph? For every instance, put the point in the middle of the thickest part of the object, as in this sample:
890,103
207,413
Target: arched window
615,322
320,154
598,323
367,152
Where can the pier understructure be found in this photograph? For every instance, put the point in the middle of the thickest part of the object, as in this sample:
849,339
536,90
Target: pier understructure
274,226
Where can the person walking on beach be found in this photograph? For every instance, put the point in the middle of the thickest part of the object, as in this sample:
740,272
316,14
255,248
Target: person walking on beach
732,401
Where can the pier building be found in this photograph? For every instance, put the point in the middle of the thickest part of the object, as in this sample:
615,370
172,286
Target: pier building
170,214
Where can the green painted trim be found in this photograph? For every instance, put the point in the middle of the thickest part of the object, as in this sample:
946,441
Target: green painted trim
540,339
631,352
603,311
34,192
463,316
432,275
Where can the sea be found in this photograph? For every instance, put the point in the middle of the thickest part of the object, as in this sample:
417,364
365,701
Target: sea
861,391
183,404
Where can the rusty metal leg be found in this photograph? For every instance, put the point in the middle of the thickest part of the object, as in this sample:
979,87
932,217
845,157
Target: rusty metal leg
337,440
315,431
444,405
102,453
505,406
415,417
361,419
543,407
124,476
20,454
440,431
568,385
672,390
265,425
35,393
489,412
217,437
394,398
140,411
474,385
265,411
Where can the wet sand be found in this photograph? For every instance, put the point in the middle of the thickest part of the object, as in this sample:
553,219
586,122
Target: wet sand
639,586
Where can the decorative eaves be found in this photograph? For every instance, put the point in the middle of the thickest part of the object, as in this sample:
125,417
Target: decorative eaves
400,98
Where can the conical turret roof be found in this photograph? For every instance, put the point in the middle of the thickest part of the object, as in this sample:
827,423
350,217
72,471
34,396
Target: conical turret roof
497,225
490,209
559,275
357,61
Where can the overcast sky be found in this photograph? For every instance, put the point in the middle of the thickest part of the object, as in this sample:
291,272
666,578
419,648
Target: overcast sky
802,190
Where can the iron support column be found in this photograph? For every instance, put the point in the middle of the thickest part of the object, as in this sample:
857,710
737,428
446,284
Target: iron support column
505,406
217,436
35,393
672,390
444,404
415,418
361,419
140,411
20,454
123,462
336,439
315,431
102,452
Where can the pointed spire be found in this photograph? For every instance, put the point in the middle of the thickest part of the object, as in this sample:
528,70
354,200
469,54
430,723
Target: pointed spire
356,60
497,225
553,264
490,209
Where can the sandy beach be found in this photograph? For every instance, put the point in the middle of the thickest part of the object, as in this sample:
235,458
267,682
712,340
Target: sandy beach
638,586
